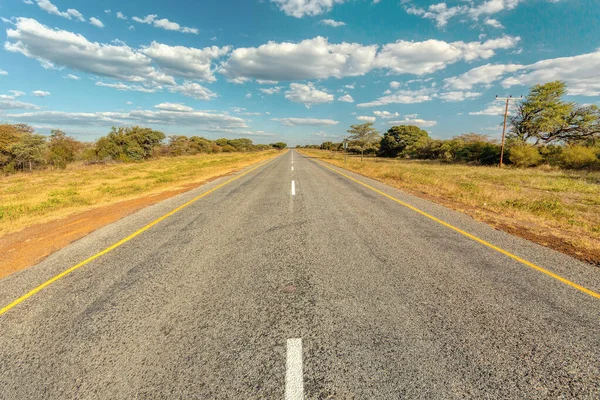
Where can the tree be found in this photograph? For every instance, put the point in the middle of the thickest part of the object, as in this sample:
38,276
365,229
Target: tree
328,146
545,118
62,148
364,137
400,138
128,144
279,145
29,151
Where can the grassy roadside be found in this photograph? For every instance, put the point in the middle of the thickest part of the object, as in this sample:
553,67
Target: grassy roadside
31,198
555,208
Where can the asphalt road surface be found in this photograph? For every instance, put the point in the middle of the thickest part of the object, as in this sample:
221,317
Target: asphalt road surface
322,288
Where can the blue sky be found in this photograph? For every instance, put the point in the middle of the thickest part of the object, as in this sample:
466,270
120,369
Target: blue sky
301,71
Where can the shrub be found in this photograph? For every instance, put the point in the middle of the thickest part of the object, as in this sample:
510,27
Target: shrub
577,157
524,155
551,154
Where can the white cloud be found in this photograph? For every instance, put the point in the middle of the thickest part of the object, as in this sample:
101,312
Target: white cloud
173,107
8,102
129,88
192,89
395,85
352,86
441,13
581,73
413,120
266,82
386,114
50,8
186,62
58,48
485,74
492,109
75,14
402,97
301,8
96,22
458,96
120,15
346,99
3,72
272,90
164,23
307,94
318,59
494,23
310,59
202,120
492,7
306,121
324,135
40,93
333,23
72,77
107,11
432,55
366,118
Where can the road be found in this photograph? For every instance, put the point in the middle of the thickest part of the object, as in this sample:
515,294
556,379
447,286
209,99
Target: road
332,291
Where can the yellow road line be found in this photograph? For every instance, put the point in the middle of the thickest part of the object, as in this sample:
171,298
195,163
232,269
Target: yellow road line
475,238
123,241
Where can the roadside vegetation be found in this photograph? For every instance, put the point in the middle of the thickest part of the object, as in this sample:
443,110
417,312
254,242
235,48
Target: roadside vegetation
549,193
46,178
23,150
545,130
27,199
556,208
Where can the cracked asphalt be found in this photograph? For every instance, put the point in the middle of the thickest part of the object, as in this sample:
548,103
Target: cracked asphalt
388,304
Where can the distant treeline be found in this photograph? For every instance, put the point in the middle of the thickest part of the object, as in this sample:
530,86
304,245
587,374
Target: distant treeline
21,149
544,129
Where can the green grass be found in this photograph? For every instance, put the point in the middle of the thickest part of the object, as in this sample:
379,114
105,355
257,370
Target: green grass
30,198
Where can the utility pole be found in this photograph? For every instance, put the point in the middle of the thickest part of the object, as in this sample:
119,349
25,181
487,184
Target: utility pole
345,150
507,99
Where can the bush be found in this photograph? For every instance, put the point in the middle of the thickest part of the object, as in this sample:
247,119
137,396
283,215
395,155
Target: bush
524,155
128,144
551,154
578,157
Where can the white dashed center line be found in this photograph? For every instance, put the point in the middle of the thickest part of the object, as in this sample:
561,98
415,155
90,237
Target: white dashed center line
293,188
292,167
294,380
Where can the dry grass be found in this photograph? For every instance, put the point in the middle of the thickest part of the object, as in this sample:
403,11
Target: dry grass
30,198
556,208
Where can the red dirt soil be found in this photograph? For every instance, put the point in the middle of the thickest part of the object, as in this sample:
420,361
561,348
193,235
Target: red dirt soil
29,246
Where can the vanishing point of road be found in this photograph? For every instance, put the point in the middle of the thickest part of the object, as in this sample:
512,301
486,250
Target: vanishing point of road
294,279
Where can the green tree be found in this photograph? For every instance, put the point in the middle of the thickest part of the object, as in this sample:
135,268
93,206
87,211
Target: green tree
178,145
363,137
29,151
544,118
328,146
128,144
198,144
279,145
400,138
62,148
10,135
